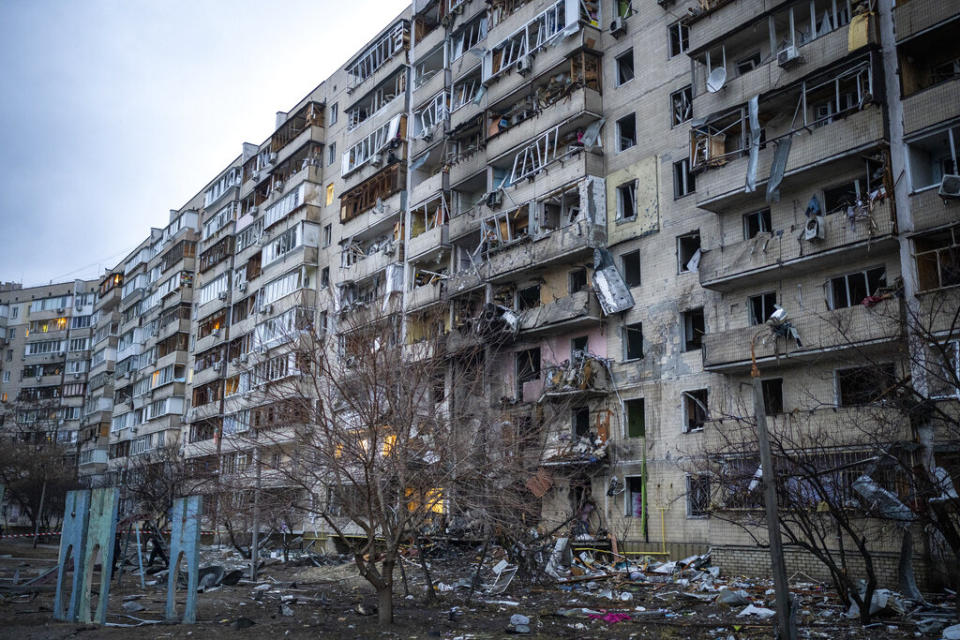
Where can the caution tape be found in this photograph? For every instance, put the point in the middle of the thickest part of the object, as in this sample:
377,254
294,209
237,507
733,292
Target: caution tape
29,535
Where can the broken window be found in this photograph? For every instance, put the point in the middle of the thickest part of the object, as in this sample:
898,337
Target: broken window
684,182
938,259
635,418
505,228
942,368
679,36
371,193
528,368
681,106
931,58
693,329
464,91
429,116
772,396
748,63
534,157
761,306
631,268
379,97
633,341
698,496
535,34
325,277
756,222
932,158
578,346
851,289
627,200
688,252
580,417
864,385
528,298
694,410
577,280
467,37
626,132
371,147
427,66
379,53
559,209
624,67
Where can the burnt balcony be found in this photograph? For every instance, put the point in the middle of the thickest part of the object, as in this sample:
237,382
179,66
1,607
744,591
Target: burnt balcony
821,334
572,313
775,256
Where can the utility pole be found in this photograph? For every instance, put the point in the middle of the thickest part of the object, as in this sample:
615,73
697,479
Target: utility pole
43,496
782,589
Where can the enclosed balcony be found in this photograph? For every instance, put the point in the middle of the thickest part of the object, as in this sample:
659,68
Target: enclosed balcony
572,313
856,327
916,16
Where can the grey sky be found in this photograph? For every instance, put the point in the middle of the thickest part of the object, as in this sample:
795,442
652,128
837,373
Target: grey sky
115,112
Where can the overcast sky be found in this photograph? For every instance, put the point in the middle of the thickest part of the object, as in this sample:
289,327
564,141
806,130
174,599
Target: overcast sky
114,112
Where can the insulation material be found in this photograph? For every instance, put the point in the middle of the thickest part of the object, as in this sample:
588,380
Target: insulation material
611,290
754,107
879,499
781,154
858,34
646,173
394,282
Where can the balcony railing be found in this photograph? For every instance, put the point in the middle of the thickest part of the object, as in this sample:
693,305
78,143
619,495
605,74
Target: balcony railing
855,327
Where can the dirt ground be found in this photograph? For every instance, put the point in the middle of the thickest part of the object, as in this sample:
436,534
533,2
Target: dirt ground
331,602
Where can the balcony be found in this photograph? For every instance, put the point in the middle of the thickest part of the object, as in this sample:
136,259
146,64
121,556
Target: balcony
576,110
427,187
368,266
573,243
830,332
931,106
811,154
571,166
767,257
937,311
910,18
421,297
428,88
467,167
770,76
574,312
930,211
724,17
428,242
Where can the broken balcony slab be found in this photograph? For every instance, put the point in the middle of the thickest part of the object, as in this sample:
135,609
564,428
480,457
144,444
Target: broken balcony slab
785,253
855,327
574,312
572,243
424,296
812,158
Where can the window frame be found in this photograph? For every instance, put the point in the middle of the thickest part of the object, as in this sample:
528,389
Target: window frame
623,265
684,182
703,405
636,327
629,187
681,262
619,141
683,39
692,512
616,67
687,92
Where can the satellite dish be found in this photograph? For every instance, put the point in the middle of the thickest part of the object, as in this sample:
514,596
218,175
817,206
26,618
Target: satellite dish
716,79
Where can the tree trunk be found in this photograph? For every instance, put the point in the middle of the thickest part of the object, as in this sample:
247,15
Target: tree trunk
385,603
907,581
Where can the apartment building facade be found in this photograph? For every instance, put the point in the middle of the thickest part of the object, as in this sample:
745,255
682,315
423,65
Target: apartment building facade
609,200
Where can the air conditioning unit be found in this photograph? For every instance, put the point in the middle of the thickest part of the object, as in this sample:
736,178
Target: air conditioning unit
267,309
950,186
215,333
525,65
376,159
61,310
254,211
242,287
242,357
788,56
618,27
273,157
223,295
76,376
494,199
814,230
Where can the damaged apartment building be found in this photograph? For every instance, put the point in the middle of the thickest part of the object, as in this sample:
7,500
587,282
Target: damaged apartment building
618,204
